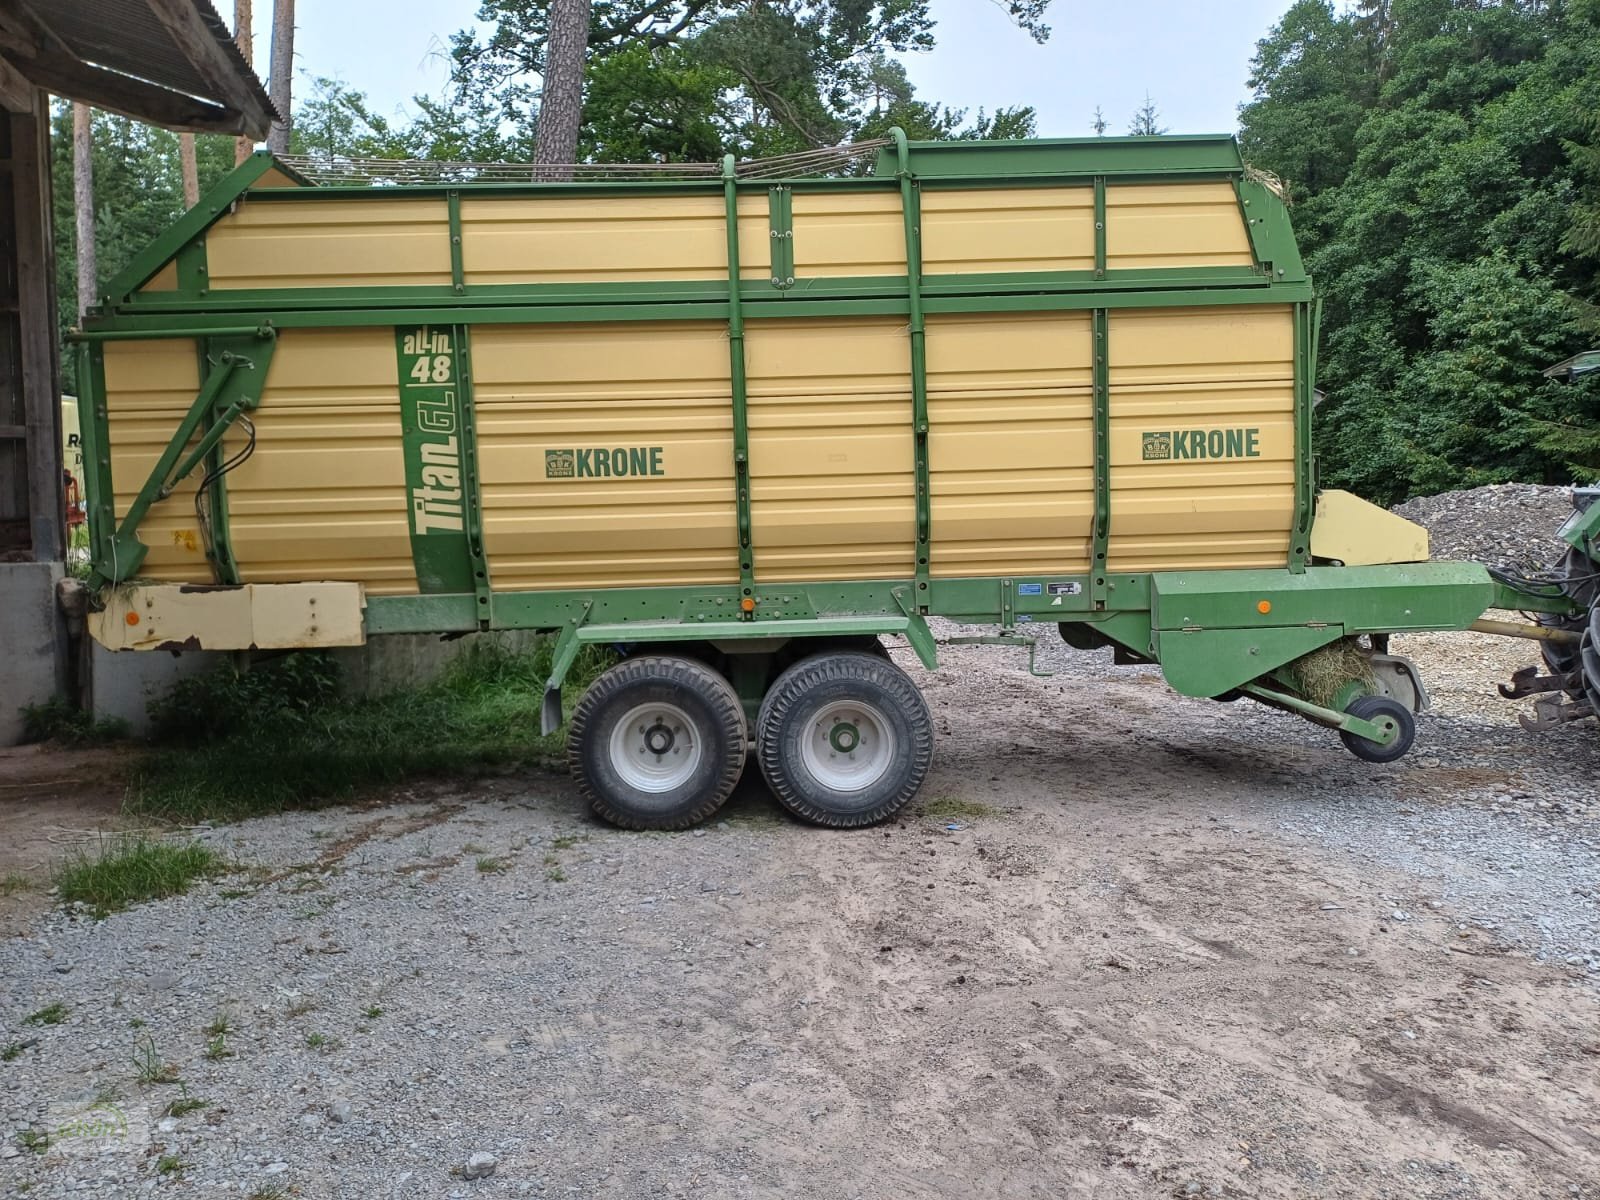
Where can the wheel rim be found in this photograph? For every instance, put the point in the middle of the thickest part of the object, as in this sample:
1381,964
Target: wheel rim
847,746
656,747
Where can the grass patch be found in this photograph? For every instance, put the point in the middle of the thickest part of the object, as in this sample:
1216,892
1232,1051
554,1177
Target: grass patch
556,875
321,1041
568,840
372,1012
12,1051
948,806
221,1023
217,1048
149,1064
32,1139
270,1191
15,882
184,1105
169,1164
57,721
50,1014
491,866
134,869
280,737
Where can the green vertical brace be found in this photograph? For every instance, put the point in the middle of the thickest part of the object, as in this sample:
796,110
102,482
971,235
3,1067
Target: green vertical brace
219,543
438,430
1099,226
94,429
780,220
911,207
453,206
193,269
1304,486
470,483
1102,458
736,372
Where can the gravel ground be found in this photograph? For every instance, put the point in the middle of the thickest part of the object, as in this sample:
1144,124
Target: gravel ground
1145,947
1504,522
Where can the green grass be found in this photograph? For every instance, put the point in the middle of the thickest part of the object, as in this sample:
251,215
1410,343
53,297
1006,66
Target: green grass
50,1014
169,1164
221,1023
184,1105
130,870
279,737
57,721
946,807
556,875
321,1041
149,1065
568,840
12,1051
15,882
270,1191
217,1048
32,1139
372,1012
491,866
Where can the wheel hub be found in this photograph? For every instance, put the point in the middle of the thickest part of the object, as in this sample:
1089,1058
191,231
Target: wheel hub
848,745
655,747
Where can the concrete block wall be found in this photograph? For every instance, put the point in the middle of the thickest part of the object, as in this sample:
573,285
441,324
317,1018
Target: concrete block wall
33,662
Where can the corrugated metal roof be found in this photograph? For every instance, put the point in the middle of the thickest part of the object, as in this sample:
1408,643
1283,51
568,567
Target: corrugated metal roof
125,36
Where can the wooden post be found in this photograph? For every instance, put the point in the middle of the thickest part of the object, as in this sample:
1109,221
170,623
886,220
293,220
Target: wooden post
242,16
281,85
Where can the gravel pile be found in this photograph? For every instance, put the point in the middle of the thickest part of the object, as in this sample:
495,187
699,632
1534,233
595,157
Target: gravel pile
1504,522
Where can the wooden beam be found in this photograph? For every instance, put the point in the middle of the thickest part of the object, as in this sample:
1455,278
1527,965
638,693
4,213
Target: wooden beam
16,92
35,273
200,46
133,97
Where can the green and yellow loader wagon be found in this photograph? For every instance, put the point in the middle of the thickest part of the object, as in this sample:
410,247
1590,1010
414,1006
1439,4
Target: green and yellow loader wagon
742,421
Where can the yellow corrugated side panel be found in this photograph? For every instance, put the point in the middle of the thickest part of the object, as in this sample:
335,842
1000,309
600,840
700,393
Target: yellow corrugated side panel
149,388
650,385
1160,225
1007,229
848,233
164,280
608,239
380,242
1188,373
1011,443
322,497
832,472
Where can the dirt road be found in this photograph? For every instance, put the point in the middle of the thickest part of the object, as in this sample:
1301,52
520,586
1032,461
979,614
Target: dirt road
1129,946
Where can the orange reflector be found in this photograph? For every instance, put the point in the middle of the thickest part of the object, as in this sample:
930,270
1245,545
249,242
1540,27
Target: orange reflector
132,618
748,604
1264,606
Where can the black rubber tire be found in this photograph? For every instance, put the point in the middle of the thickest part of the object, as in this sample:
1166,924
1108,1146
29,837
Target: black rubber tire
700,693
785,718
1374,708
1589,660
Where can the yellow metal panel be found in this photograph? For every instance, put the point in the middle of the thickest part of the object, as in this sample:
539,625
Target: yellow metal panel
654,384
607,239
1011,443
331,243
1156,225
164,280
149,388
848,233
1008,229
263,616
323,495
1178,371
831,464
1358,533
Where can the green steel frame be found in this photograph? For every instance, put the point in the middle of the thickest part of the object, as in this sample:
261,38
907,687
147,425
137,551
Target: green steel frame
1204,627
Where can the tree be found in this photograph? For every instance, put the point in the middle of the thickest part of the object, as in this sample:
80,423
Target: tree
83,203
1438,150
765,77
282,82
561,98
245,38
1146,122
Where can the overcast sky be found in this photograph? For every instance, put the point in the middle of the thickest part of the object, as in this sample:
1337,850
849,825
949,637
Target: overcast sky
1191,56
